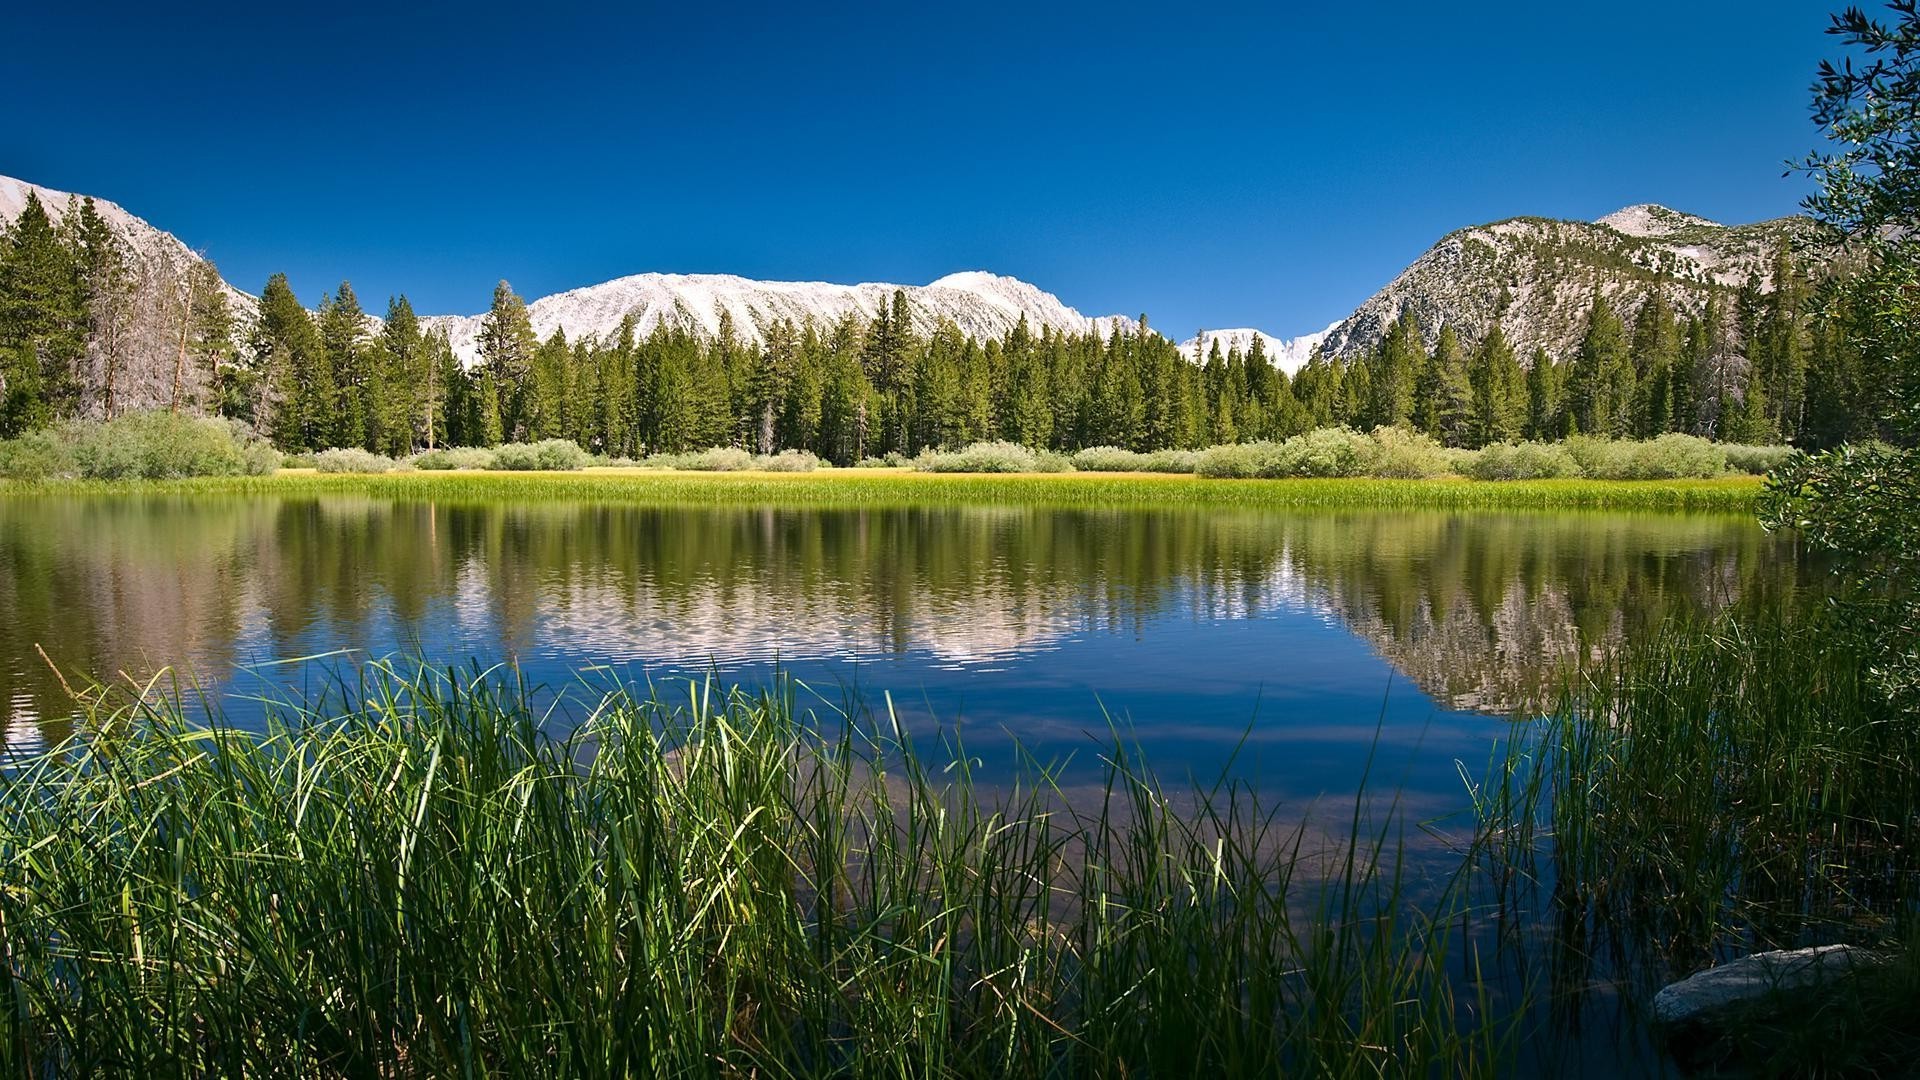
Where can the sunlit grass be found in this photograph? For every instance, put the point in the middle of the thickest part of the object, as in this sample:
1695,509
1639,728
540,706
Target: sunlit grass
876,487
408,874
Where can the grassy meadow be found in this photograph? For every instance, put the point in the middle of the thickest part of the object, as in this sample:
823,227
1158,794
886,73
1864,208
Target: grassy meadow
902,487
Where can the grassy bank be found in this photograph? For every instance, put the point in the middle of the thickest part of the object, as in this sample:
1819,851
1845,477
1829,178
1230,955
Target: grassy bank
875,487
409,876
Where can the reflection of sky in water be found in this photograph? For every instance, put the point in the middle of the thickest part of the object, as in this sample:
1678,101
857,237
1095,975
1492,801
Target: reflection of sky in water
1292,644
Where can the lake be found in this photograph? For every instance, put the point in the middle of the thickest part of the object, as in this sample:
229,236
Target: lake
1285,647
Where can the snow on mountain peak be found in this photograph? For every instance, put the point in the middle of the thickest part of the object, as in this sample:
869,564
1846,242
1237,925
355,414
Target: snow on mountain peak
1288,354
1653,220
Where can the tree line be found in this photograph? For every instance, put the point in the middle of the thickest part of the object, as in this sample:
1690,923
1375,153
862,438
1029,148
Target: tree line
1752,366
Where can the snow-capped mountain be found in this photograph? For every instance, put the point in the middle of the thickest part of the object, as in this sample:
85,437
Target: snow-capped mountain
1291,354
1537,277
981,304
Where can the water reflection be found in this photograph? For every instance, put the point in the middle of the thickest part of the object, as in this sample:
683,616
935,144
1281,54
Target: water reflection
1477,609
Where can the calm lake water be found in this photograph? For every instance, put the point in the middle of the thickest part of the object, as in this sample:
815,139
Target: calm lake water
1303,639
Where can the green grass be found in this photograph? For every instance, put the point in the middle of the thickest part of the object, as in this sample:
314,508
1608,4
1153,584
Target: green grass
873,487
1728,785
405,875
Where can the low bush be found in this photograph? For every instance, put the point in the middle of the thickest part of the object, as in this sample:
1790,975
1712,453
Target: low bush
1402,455
892,459
788,461
1171,461
38,455
301,460
1757,460
1108,459
1522,461
547,455
1669,457
1239,460
139,446
352,460
988,457
714,459
450,458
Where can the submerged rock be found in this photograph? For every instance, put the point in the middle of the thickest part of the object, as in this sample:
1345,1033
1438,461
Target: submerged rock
1705,997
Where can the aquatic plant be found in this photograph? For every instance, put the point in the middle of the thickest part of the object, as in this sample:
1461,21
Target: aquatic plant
408,873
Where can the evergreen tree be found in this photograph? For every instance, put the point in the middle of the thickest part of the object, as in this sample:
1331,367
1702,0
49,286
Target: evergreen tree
400,417
1657,360
107,291
1596,381
506,359
286,347
42,323
343,337
1400,356
1498,388
1443,396
1546,398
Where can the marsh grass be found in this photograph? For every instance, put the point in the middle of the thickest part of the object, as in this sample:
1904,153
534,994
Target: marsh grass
1727,785
408,874
885,488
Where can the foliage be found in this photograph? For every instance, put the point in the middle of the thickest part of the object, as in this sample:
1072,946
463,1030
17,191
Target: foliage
352,460
547,455
1669,457
137,446
1114,459
413,877
1756,460
788,461
1857,501
453,458
981,457
1405,455
1522,461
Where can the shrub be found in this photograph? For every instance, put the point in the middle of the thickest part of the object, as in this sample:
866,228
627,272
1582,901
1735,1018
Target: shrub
1171,461
1669,457
1402,454
1108,459
985,457
301,460
714,459
1757,460
1326,452
351,460
788,461
1522,461
547,455
38,455
1239,460
159,446
448,458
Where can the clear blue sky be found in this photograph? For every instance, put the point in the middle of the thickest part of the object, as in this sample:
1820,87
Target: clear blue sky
1210,166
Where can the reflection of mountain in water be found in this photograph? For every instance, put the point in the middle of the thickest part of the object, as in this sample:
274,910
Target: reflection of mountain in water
1478,609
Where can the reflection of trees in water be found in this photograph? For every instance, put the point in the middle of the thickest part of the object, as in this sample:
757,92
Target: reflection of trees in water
1476,608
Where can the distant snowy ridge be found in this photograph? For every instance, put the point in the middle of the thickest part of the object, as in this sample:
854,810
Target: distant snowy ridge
1290,354
981,304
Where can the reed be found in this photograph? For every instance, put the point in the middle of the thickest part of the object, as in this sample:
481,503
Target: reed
408,873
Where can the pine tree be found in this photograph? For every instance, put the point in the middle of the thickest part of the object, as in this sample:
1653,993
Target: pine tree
107,291
286,347
207,347
1396,363
506,357
1595,380
343,337
1498,391
1656,353
403,379
1443,394
42,323
1546,398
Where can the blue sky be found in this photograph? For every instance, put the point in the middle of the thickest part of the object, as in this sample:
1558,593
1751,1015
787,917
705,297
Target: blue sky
1263,166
